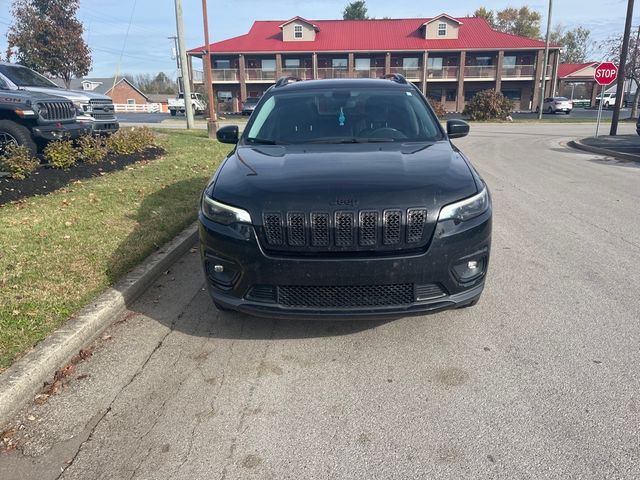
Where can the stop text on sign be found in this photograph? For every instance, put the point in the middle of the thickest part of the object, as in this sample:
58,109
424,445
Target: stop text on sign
605,73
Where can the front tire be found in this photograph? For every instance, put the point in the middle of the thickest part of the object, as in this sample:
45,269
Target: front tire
16,134
173,113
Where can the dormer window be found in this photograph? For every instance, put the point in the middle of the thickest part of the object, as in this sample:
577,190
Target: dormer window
297,31
442,29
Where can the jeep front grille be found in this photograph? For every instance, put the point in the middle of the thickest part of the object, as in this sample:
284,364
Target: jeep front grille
57,111
344,230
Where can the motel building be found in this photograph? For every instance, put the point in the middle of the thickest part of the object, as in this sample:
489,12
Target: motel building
448,59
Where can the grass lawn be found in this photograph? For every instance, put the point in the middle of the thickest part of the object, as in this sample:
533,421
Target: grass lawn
61,250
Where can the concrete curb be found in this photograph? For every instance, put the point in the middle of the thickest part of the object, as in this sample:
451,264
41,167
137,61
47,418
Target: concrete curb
24,378
577,144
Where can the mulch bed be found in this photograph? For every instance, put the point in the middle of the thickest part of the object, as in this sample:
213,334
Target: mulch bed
46,180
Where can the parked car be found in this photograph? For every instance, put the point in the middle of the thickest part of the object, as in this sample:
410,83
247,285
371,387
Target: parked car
176,105
610,100
93,109
33,118
345,198
249,105
556,104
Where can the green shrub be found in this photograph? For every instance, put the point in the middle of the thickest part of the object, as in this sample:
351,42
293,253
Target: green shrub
488,105
131,140
91,149
61,154
438,108
18,161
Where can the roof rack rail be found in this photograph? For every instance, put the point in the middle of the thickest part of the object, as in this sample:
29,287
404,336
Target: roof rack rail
396,77
282,81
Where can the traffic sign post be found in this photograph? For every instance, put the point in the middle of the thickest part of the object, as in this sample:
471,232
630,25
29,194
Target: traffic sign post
604,74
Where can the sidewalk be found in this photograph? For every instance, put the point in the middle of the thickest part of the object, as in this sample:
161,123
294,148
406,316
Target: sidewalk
626,147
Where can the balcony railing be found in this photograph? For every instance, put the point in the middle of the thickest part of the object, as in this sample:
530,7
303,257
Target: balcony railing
225,74
480,71
333,73
444,73
375,72
408,73
258,74
518,71
301,73
198,76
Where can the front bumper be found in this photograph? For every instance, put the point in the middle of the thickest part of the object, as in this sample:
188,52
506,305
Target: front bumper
100,126
60,131
248,265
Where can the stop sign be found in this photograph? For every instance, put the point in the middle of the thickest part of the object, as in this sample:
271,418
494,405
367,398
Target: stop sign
606,73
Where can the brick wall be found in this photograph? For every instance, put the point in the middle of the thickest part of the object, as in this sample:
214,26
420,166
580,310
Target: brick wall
124,92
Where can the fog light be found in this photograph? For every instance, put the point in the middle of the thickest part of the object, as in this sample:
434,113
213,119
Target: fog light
469,270
221,272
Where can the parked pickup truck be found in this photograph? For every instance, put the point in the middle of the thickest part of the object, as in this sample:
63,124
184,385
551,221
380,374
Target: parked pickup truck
33,118
92,109
177,104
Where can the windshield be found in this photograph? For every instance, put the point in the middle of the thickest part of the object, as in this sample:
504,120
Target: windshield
25,77
343,115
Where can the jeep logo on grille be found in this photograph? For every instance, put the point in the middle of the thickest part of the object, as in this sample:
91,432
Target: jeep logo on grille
345,202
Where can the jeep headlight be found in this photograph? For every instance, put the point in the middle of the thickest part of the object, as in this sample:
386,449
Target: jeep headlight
468,208
42,110
223,214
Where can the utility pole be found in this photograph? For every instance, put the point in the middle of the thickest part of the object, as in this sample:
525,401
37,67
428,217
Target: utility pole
175,43
634,105
184,70
546,61
212,120
622,70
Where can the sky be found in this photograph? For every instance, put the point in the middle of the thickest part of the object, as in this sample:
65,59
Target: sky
146,48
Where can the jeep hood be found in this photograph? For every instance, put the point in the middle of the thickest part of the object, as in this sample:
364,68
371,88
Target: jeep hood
350,176
73,95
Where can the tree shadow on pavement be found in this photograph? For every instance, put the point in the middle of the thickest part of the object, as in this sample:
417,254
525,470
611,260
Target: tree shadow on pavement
178,300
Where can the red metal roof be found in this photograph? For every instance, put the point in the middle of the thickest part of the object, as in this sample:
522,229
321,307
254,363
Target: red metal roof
566,69
371,35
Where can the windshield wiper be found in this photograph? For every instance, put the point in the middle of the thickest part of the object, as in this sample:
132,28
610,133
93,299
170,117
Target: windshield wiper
338,140
263,141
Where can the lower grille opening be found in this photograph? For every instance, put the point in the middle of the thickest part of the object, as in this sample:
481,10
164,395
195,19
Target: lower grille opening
346,296
262,293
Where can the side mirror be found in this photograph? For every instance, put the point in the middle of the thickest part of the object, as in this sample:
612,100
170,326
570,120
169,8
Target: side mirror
457,128
228,134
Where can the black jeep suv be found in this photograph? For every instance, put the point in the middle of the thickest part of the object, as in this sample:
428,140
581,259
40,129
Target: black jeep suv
345,198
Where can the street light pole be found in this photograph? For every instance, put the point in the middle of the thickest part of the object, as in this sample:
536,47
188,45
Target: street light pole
184,70
546,61
212,120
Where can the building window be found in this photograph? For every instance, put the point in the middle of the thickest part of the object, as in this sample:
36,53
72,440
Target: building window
513,95
225,96
339,63
483,61
434,63
222,64
363,63
442,29
268,65
292,63
410,63
297,31
131,101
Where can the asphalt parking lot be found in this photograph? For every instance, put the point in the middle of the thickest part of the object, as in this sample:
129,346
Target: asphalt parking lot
540,380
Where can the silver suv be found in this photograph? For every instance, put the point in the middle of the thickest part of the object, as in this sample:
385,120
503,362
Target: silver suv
93,109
